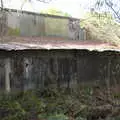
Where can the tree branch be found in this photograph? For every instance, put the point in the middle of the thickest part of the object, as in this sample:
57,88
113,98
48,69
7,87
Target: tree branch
2,4
110,6
44,1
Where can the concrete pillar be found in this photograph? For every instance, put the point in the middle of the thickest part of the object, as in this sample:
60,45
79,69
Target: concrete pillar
7,75
84,32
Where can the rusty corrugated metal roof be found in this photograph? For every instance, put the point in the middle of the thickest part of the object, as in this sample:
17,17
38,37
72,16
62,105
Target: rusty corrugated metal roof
49,43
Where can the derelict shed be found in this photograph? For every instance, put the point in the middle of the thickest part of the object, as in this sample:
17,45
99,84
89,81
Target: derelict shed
23,23
60,63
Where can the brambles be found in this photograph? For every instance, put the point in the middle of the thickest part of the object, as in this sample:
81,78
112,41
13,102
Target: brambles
53,104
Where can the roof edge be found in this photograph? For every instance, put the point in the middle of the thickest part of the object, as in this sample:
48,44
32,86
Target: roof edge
39,14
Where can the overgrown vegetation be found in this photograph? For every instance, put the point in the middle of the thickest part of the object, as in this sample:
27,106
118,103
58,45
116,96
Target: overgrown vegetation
58,104
54,11
101,27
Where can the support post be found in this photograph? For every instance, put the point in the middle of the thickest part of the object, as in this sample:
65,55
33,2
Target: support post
7,75
108,76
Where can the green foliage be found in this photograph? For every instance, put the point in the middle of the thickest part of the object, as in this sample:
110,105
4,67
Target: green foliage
98,19
101,27
53,11
11,109
54,117
30,102
52,104
23,107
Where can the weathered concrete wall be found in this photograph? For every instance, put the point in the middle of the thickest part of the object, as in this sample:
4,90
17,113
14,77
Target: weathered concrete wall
20,23
39,69
2,74
56,27
3,23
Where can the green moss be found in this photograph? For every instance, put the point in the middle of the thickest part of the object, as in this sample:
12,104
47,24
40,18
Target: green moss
12,31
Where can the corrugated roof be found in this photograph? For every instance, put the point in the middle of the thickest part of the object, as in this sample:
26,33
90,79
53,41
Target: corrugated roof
50,43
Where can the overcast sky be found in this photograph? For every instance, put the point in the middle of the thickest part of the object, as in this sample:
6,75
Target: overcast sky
76,8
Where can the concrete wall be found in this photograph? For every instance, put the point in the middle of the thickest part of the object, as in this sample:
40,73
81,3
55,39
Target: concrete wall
23,70
30,24
56,27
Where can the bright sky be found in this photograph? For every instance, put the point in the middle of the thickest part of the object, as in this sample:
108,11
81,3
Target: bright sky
76,8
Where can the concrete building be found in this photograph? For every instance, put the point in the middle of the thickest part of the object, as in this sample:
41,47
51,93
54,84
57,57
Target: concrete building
22,23
62,63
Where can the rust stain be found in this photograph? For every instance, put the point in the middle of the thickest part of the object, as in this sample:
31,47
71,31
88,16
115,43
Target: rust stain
49,43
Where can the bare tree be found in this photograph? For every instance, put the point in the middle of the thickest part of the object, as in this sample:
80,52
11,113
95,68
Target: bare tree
43,1
110,4
114,7
1,4
2,20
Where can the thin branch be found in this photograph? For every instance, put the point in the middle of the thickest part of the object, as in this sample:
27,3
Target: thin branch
116,13
44,1
23,4
2,5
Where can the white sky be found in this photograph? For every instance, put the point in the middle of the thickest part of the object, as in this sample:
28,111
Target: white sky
76,8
